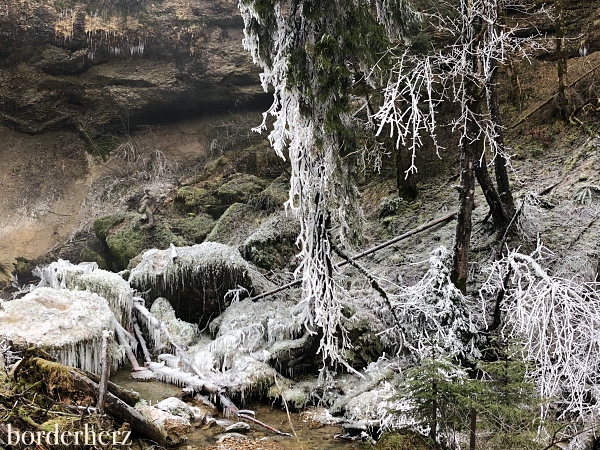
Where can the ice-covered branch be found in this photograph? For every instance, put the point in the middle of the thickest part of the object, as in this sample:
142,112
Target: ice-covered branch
557,320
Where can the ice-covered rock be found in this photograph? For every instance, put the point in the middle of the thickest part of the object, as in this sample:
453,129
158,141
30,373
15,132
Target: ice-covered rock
238,426
194,279
88,277
175,428
232,437
67,324
176,407
183,333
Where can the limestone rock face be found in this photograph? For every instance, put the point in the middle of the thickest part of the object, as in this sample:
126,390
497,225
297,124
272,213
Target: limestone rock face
87,65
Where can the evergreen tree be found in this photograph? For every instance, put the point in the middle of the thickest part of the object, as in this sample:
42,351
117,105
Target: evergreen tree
312,53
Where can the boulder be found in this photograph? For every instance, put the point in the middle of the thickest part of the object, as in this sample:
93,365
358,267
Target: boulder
240,187
235,225
194,279
273,244
67,324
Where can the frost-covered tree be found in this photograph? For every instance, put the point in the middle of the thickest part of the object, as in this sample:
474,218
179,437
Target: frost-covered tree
465,73
312,53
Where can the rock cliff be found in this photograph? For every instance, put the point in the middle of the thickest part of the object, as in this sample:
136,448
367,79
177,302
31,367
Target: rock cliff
93,65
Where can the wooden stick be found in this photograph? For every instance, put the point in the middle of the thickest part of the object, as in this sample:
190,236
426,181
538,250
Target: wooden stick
121,334
129,396
408,234
140,337
102,386
229,407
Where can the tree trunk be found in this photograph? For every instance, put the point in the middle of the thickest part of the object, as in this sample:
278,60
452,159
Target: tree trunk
499,215
462,240
499,159
473,428
407,186
563,100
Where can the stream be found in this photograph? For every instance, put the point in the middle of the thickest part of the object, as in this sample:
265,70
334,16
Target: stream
310,435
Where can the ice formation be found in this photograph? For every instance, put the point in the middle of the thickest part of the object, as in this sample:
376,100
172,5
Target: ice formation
209,267
87,276
67,324
182,333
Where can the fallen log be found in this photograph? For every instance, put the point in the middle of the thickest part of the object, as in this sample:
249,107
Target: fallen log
68,379
408,234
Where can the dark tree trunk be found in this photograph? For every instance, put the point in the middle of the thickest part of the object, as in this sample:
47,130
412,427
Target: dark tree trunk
499,159
499,214
434,409
469,147
473,428
462,240
407,185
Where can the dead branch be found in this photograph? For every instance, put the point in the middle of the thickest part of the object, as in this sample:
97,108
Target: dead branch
408,234
124,341
229,407
128,396
142,341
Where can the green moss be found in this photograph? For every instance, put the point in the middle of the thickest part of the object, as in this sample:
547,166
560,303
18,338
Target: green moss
103,224
126,237
239,187
274,196
235,225
193,229
90,255
273,244
194,197
215,165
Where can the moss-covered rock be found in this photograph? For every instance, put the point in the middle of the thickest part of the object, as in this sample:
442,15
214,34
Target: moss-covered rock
105,223
126,237
89,255
272,245
235,225
199,200
193,229
274,196
260,160
215,165
240,187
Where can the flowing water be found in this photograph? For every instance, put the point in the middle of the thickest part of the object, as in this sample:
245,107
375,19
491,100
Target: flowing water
310,435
